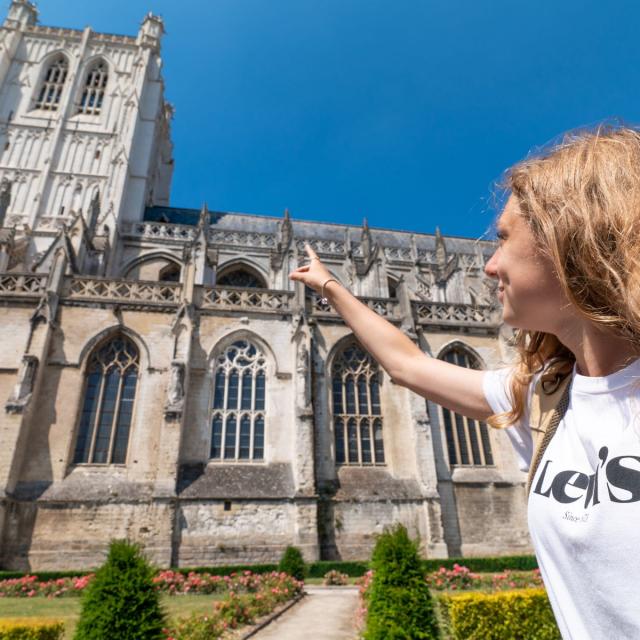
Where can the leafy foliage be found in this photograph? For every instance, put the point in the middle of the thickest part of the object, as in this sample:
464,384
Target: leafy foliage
31,629
486,564
261,596
510,615
292,563
121,601
399,602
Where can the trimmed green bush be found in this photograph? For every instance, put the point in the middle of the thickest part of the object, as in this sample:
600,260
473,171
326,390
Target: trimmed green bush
483,565
31,629
508,615
292,563
399,602
121,601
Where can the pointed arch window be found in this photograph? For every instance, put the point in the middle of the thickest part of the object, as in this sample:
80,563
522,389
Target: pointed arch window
238,412
240,277
109,395
357,418
53,84
170,273
468,442
93,90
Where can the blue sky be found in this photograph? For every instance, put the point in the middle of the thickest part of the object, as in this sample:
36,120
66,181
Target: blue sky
401,111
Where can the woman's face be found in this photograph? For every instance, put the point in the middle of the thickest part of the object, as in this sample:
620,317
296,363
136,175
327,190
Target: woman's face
528,288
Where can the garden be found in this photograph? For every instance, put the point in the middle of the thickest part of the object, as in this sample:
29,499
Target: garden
401,597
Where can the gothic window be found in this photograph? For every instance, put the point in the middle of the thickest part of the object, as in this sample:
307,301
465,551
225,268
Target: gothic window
170,273
357,419
52,84
109,394
467,439
93,90
393,288
240,278
238,413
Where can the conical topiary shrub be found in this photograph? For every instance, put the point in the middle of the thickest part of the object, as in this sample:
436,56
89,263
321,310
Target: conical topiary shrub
293,563
399,602
121,602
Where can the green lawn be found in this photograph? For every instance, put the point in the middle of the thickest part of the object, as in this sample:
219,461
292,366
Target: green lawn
68,609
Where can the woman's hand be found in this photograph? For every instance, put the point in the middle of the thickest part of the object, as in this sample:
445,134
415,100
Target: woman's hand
314,274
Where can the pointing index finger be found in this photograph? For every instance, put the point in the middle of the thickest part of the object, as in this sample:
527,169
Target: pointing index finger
309,249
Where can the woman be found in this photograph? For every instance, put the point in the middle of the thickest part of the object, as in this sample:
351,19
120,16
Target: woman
568,273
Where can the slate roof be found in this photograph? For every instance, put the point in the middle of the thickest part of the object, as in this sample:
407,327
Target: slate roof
221,220
374,483
229,482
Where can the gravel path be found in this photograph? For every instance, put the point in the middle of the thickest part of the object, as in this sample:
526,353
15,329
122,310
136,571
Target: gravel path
323,614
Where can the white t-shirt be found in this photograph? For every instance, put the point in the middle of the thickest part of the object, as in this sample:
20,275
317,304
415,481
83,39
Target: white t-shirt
584,505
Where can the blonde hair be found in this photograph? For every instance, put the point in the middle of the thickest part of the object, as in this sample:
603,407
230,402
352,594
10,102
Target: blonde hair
581,200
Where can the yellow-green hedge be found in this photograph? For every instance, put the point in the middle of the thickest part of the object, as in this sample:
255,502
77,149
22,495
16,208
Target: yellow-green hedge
30,629
507,615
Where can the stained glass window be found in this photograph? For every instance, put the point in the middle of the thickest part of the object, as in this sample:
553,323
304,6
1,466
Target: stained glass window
238,418
467,439
357,419
107,409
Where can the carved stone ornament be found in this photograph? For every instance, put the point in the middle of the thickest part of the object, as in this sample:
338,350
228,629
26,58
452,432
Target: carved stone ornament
24,387
175,392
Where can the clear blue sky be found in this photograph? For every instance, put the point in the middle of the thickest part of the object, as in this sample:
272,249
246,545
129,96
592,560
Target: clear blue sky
403,111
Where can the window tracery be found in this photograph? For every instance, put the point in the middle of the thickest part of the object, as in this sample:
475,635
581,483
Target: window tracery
109,394
240,278
238,412
357,417
53,84
467,439
93,90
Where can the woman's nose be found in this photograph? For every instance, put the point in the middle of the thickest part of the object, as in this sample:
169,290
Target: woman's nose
491,268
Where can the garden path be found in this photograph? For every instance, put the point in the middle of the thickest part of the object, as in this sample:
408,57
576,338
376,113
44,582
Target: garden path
325,613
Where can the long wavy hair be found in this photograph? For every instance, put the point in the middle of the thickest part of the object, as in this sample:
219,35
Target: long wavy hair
581,200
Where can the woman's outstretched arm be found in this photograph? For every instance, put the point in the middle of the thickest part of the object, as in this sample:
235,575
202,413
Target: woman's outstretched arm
456,388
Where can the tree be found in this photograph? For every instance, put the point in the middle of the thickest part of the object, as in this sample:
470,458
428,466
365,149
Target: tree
121,601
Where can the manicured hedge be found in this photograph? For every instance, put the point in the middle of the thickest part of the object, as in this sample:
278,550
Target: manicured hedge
508,615
43,575
483,565
352,569
318,569
30,629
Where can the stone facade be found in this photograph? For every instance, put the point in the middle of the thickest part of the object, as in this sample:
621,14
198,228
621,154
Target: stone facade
219,440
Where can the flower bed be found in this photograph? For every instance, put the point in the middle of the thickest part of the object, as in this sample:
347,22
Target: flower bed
169,582
460,578
251,597
30,586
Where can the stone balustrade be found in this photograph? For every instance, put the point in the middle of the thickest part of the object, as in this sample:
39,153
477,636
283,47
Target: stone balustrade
242,238
246,299
159,231
22,284
122,291
385,307
449,314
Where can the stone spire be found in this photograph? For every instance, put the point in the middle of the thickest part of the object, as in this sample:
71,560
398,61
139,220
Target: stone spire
366,240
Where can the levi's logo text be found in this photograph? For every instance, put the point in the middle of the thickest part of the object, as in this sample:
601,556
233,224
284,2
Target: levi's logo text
615,480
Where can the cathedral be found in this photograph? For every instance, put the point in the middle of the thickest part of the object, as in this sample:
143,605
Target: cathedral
161,378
